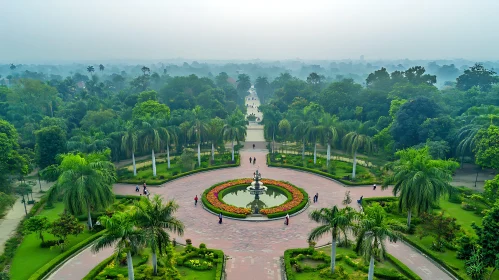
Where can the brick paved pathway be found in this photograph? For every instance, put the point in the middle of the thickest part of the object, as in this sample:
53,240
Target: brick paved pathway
254,247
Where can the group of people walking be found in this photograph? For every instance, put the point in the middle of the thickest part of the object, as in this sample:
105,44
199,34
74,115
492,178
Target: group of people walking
145,191
253,160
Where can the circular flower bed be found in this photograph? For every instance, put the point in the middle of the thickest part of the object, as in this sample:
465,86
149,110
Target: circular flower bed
298,201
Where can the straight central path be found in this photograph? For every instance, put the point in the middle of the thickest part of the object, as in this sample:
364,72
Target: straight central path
253,248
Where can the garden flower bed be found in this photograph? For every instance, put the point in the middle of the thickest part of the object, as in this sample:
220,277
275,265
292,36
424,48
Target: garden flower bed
212,201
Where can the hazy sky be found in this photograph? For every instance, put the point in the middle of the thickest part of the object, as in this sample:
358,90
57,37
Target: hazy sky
78,30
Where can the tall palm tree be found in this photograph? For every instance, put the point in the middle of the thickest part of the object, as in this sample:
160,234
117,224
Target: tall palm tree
302,132
129,142
234,128
198,129
85,183
214,132
419,181
332,220
354,141
372,231
101,67
156,219
328,126
151,134
270,128
90,69
284,129
169,135
123,234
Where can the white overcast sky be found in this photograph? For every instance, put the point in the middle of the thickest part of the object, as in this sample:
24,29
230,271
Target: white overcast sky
78,30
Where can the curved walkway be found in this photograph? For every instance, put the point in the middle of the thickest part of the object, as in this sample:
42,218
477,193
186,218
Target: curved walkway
254,247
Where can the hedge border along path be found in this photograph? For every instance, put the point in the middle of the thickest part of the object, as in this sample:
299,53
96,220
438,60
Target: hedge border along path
304,199
345,183
180,175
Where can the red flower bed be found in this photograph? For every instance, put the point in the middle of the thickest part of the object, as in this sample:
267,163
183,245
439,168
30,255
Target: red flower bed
212,197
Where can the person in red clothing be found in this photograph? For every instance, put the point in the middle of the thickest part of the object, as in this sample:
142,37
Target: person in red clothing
196,200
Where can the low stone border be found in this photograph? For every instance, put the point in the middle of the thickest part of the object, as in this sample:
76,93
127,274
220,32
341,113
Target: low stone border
263,220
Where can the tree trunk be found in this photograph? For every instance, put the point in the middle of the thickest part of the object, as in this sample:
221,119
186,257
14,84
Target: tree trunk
409,215
89,218
333,254
134,165
354,164
212,151
199,154
371,269
232,150
129,263
41,236
153,164
273,141
168,155
154,263
39,182
315,153
328,154
303,151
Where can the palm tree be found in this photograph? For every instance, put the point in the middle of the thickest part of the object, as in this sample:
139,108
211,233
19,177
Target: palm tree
419,181
271,126
354,141
214,132
101,67
234,128
151,138
198,129
169,134
85,183
284,129
124,235
129,142
90,69
373,230
156,218
332,220
329,133
302,131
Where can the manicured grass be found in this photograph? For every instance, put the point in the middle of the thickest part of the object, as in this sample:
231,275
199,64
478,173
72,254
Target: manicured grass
163,173
190,274
464,218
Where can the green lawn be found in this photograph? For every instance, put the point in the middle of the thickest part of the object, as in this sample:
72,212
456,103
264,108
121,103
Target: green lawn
190,274
30,256
163,173
464,218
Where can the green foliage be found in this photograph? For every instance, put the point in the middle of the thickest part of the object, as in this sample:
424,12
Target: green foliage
476,76
488,237
36,224
150,109
441,227
491,190
487,147
50,142
186,160
64,226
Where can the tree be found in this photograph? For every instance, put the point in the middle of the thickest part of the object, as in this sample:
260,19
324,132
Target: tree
90,69
234,128
262,88
124,235
332,220
491,190
145,70
419,181
477,76
151,134
169,137
354,141
129,142
328,125
66,225
156,218
50,141
150,109
215,133
243,84
101,67
198,129
36,224
11,162
12,67
372,232
440,226
487,147
284,129
85,183
488,238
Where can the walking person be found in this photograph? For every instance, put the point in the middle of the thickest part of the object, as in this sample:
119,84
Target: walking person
196,200
144,188
374,187
287,220
317,197
253,146
251,160
220,218
254,160
137,189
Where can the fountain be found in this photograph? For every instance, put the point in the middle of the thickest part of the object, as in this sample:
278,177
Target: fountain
256,189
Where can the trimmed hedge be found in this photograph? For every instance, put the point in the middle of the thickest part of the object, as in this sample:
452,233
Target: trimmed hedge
325,174
48,267
402,267
213,208
159,181
99,268
300,206
435,258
